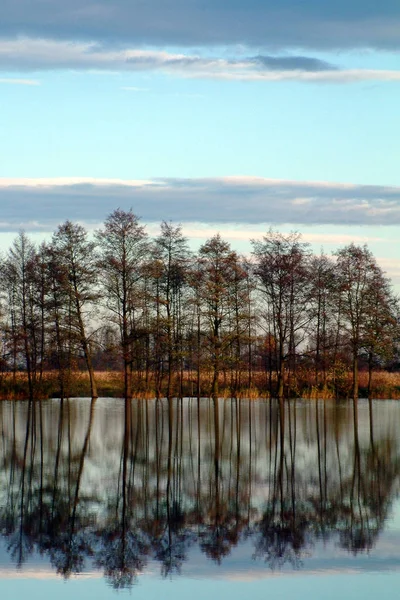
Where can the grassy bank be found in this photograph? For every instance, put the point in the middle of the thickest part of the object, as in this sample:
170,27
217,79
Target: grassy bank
110,384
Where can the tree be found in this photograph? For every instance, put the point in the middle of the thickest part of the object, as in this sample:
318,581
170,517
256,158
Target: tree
323,307
358,275
219,277
122,246
381,328
171,256
281,266
60,338
76,255
23,288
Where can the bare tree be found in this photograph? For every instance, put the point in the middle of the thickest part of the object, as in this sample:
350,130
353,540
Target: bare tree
76,255
358,274
381,327
283,272
171,256
323,306
20,285
222,309
61,340
122,246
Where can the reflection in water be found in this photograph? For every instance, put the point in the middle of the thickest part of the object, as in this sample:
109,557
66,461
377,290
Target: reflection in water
113,485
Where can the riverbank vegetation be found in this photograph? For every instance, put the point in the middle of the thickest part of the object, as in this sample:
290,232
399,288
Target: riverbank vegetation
121,314
110,384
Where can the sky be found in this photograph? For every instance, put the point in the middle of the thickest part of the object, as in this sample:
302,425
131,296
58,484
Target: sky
228,116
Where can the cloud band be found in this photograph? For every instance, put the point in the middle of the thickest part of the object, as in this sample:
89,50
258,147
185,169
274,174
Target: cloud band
258,23
27,55
39,204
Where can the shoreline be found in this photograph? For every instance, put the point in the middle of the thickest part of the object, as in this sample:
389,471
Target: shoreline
14,386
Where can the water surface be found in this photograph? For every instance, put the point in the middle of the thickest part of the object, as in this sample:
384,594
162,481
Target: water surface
199,497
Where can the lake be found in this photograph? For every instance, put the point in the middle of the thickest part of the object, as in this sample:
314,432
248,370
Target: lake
189,498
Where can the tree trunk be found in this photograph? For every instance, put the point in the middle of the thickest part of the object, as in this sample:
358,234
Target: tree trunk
355,375
369,391
281,378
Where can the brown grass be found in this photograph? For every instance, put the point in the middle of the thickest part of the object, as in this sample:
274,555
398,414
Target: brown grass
110,384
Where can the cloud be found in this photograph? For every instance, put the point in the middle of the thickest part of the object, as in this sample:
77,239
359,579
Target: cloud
294,63
331,76
40,204
10,81
244,233
24,54
257,23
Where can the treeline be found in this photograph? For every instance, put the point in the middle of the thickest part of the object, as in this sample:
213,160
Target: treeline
284,322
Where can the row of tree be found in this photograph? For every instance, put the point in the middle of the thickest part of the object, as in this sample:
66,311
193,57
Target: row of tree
178,323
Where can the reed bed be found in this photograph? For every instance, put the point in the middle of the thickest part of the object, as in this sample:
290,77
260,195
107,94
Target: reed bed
385,385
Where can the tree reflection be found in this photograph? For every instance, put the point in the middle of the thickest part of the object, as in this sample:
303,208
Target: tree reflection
69,545
282,529
172,537
369,492
122,551
88,489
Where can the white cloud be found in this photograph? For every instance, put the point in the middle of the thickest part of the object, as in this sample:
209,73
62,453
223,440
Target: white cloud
11,81
391,266
246,233
339,76
27,54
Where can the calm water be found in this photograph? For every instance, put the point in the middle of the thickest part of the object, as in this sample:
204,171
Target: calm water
163,500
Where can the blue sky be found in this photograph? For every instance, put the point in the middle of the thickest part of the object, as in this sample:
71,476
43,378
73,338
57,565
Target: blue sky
229,116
